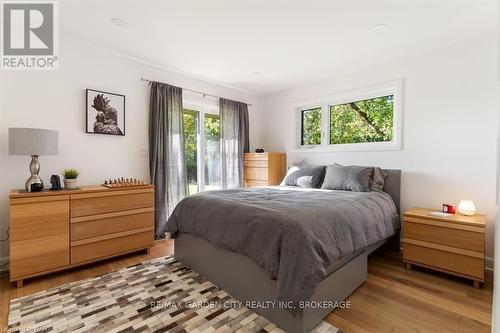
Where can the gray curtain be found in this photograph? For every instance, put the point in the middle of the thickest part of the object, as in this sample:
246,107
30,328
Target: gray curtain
234,141
167,166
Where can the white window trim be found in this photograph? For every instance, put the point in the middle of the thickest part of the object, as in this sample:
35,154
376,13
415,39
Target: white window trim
394,88
202,109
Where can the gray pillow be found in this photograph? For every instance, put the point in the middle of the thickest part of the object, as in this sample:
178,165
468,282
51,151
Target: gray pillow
348,178
310,176
378,180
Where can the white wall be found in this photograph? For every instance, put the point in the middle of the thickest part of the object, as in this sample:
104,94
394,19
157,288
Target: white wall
56,100
450,118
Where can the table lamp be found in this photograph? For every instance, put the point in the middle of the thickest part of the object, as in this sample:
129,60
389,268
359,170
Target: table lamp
466,207
33,142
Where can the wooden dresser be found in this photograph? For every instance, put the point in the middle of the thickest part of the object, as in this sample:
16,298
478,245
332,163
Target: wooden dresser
55,230
454,244
263,169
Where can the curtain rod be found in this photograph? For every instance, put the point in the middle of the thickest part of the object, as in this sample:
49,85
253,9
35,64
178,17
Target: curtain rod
195,91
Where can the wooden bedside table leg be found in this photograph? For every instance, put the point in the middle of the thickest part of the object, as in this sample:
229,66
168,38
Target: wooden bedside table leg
477,284
408,266
19,283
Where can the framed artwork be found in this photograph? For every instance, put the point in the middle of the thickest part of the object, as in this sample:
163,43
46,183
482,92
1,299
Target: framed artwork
105,113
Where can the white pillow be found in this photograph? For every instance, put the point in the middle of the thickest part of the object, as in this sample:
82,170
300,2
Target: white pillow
291,170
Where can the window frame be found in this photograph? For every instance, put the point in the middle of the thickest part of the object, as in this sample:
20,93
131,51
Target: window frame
202,109
388,88
301,115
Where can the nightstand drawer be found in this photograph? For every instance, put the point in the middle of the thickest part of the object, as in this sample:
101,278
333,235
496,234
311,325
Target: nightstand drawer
440,259
462,237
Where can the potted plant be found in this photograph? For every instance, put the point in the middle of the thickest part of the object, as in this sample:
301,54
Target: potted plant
70,178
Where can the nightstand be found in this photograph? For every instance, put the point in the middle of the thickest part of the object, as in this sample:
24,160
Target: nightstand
453,244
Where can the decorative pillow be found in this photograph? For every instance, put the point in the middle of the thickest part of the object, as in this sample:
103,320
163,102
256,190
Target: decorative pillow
347,178
378,179
309,176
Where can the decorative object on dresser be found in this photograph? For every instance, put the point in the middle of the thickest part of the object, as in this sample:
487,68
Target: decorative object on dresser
55,181
33,142
70,178
452,244
262,169
466,207
55,230
448,208
105,113
124,182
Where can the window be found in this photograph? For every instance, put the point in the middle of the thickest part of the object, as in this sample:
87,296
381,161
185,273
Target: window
310,127
368,119
202,149
211,127
191,130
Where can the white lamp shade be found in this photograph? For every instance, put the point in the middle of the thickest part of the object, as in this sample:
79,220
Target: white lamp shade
33,141
466,207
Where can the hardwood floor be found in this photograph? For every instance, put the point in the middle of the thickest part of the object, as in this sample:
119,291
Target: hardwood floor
391,300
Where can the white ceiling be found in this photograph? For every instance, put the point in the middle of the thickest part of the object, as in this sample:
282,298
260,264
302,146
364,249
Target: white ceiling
263,46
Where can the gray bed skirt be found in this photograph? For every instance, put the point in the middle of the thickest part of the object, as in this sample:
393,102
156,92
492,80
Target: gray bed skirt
246,282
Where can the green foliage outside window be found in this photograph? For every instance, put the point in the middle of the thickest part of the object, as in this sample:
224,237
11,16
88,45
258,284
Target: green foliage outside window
191,144
369,120
212,127
311,127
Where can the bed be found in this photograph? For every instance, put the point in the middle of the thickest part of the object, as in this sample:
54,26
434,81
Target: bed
295,254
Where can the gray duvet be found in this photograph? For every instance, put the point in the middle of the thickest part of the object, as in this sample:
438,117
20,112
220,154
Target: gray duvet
293,235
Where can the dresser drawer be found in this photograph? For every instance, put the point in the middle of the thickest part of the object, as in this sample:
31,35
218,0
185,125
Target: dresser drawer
253,183
256,173
461,237
256,157
436,258
256,163
101,203
105,224
110,247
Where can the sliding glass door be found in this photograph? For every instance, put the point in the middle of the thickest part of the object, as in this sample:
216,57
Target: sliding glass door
202,150
211,151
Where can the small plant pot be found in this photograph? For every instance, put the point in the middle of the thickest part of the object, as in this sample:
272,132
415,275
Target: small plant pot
70,183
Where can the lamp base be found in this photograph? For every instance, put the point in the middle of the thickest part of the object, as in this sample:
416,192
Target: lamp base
34,183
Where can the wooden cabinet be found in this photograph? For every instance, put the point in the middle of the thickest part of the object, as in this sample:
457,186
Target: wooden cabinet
52,231
453,244
39,235
262,169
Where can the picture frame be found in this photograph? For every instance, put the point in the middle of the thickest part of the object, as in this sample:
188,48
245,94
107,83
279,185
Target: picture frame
105,113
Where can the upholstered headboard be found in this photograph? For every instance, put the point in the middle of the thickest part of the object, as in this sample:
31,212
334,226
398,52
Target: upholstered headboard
392,186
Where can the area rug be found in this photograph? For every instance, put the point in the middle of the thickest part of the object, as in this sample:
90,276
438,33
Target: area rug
161,295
